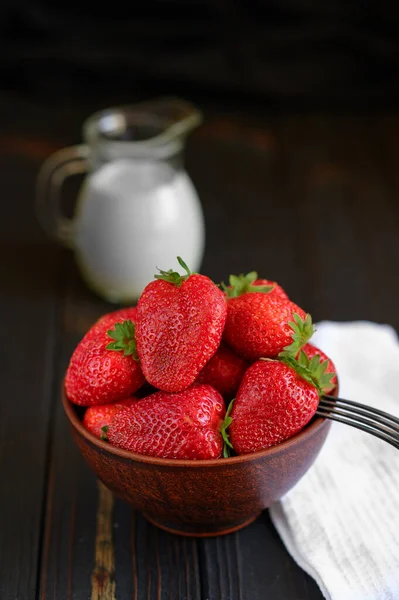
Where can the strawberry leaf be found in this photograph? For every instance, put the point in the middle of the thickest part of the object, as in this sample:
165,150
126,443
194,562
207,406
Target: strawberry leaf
302,359
104,435
302,331
227,447
124,338
243,284
173,276
312,370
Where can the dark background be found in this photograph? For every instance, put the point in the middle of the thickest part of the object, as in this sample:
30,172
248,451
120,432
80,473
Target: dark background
283,53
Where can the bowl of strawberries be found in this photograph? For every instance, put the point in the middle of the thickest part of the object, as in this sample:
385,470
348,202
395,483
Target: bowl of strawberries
197,406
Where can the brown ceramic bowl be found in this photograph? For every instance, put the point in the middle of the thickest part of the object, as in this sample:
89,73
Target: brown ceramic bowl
204,497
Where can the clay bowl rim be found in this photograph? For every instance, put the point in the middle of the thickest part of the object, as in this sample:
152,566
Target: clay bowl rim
74,420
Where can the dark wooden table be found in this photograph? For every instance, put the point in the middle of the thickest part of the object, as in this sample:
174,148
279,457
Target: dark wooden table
312,202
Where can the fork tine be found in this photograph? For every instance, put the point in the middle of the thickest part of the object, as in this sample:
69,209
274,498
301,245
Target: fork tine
392,439
369,409
371,421
362,410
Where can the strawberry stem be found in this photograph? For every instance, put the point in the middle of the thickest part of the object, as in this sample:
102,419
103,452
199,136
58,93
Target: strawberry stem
242,284
302,331
227,446
124,338
183,264
173,276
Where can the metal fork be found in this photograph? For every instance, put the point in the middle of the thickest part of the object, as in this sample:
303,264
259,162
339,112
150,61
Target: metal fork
374,421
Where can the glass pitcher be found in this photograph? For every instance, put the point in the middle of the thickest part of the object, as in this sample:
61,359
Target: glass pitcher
137,208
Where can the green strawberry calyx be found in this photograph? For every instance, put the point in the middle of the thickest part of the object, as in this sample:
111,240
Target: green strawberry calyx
227,446
174,277
302,331
104,435
243,284
312,370
124,338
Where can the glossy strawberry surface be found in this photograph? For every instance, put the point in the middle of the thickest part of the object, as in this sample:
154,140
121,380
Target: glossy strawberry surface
117,316
257,325
273,403
97,417
224,371
312,351
277,290
178,329
184,425
96,375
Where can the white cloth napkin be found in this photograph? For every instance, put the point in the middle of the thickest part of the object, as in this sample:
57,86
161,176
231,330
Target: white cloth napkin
340,523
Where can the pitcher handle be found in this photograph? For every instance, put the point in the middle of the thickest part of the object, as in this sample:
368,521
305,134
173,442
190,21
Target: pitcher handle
60,165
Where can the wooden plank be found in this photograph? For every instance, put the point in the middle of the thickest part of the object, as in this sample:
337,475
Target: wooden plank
253,564
349,235
332,239
103,575
73,504
251,222
29,308
384,134
167,566
151,563
69,550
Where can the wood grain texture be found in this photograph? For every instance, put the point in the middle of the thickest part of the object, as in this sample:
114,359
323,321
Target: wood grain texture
309,201
70,528
29,340
103,576
150,563
253,563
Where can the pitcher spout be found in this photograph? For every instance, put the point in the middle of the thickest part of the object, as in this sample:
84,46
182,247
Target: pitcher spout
154,129
180,117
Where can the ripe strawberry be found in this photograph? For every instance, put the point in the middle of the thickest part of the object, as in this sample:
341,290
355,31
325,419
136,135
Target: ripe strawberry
224,371
120,315
108,320
244,284
276,291
97,418
101,372
276,399
179,325
185,425
312,351
260,325
273,403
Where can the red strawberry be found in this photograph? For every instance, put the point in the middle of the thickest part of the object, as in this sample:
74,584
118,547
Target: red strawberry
97,418
224,371
108,320
184,425
180,320
260,325
244,284
123,314
312,351
101,372
273,403
276,291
